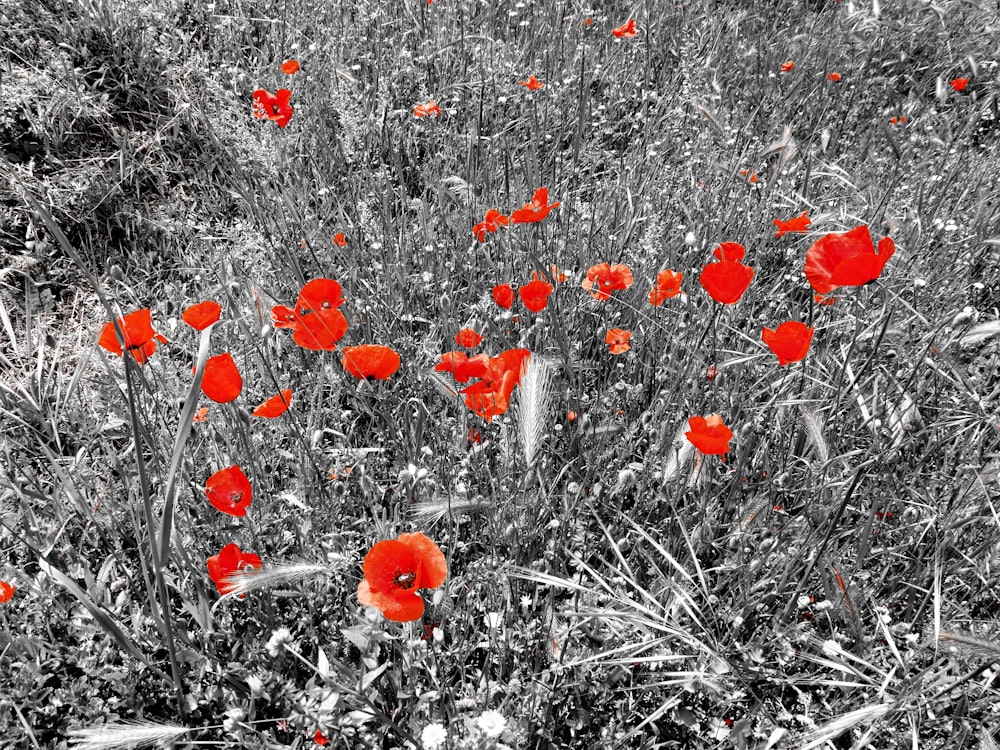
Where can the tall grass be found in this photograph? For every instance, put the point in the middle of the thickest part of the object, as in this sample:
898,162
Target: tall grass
828,584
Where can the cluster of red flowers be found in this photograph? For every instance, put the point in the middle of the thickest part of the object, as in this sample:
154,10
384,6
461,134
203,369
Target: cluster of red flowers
489,396
533,211
316,321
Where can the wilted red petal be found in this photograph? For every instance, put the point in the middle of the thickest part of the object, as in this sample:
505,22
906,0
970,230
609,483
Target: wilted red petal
627,30
370,361
274,406
202,315
789,342
222,381
229,491
799,224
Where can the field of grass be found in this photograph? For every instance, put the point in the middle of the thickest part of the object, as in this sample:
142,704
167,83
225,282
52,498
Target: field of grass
827,577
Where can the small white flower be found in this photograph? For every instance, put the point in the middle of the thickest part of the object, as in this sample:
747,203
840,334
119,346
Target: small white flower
434,736
492,723
279,638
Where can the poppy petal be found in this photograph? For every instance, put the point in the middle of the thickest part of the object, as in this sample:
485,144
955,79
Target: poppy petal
222,381
202,315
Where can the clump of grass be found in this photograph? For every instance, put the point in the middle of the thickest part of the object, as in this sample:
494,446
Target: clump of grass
608,584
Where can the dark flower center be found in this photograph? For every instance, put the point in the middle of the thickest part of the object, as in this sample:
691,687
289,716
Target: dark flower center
405,580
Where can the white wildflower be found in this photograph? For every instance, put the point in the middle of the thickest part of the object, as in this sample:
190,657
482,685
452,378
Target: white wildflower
492,723
433,736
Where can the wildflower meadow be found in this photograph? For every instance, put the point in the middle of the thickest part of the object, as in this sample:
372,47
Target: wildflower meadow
500,374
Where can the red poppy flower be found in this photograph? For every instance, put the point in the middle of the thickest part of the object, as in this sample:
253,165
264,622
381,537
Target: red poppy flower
231,559
283,317
727,279
222,381
607,278
668,284
846,259
491,395
340,240
395,569
959,84
468,338
786,67
798,224
897,120
140,338
710,436
370,361
319,738
321,330
463,367
503,295
617,340
319,294
6,591
202,315
537,210
493,221
276,107
789,342
833,77
532,83
290,67
627,30
229,491
426,110
535,294
274,406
